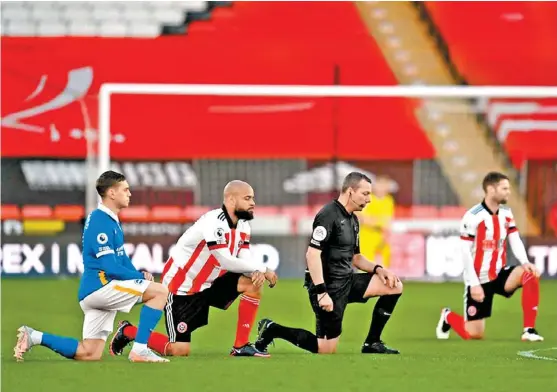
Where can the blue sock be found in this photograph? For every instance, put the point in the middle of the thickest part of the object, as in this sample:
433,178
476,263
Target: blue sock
62,345
148,319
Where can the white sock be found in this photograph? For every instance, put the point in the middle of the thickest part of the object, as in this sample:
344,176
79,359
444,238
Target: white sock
36,337
139,347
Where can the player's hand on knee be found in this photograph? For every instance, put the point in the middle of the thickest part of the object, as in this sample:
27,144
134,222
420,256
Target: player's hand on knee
257,278
271,277
148,276
387,277
477,293
325,302
531,268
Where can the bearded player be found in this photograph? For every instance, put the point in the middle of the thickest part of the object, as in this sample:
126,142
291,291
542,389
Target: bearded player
484,231
210,266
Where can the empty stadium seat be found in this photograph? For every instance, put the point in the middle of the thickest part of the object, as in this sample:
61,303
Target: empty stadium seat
135,213
69,213
10,211
36,212
167,214
94,18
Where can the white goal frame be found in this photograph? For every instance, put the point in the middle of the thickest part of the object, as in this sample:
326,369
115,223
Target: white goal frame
416,91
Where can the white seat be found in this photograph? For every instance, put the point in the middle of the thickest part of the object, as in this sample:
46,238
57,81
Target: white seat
193,6
137,14
73,4
143,29
51,29
78,28
14,13
170,16
107,14
80,14
20,28
9,6
42,5
110,29
161,4
45,14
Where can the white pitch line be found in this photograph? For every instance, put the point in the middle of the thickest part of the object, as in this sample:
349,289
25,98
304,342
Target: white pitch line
530,354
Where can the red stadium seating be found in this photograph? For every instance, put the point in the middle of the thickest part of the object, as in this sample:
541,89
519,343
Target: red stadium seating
507,43
500,43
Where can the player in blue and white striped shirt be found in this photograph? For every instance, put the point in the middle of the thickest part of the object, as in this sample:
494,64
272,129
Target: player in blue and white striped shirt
109,284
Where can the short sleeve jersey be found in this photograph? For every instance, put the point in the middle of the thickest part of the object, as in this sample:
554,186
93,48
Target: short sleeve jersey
336,234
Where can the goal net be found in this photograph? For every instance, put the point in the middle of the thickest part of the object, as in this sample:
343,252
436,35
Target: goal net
295,144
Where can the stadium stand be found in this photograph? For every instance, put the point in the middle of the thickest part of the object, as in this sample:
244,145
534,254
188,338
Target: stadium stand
96,18
511,43
526,128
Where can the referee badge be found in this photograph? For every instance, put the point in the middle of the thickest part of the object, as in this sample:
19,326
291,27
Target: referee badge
319,233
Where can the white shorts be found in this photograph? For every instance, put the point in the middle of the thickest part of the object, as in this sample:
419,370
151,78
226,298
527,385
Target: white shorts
101,306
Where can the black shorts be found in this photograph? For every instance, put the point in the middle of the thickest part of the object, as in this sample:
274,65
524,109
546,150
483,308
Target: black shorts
343,292
481,310
185,313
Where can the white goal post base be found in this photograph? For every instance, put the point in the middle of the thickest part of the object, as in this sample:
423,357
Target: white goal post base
416,91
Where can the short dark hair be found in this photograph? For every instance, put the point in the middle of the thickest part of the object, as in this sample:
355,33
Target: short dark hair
493,178
107,180
353,179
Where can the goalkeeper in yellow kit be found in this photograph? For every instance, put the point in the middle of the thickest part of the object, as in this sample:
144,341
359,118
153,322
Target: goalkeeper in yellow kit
375,223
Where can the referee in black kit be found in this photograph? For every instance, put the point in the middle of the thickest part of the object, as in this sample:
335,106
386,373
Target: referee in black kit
331,282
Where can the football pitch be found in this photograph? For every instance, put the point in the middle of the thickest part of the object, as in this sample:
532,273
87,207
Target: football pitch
425,364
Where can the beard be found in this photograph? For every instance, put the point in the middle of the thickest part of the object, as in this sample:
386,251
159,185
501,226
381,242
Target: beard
503,201
244,214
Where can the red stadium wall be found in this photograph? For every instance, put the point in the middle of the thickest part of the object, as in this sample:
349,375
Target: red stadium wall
255,43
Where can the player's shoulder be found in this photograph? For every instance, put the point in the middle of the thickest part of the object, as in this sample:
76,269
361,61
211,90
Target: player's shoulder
215,217
98,217
474,213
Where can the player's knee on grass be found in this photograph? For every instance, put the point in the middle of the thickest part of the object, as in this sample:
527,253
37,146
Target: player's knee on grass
475,329
327,346
178,349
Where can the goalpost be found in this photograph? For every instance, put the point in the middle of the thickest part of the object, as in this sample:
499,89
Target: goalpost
417,91
430,94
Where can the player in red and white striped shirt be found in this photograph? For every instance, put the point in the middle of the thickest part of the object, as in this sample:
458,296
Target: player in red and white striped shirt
484,231
210,265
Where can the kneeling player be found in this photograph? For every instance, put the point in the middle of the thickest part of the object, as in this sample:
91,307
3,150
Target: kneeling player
109,284
332,285
484,231
206,269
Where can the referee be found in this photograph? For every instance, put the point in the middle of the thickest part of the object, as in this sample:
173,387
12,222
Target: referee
331,283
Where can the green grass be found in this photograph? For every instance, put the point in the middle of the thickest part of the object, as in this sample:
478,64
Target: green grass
425,364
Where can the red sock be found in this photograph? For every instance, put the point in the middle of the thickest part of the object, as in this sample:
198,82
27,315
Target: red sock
247,311
456,322
530,299
157,341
